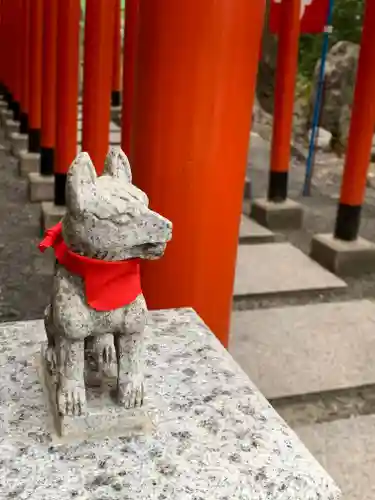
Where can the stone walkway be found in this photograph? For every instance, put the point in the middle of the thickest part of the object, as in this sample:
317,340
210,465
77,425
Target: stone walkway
346,449
311,353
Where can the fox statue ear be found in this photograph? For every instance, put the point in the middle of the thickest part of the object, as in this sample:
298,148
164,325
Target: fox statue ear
81,178
117,165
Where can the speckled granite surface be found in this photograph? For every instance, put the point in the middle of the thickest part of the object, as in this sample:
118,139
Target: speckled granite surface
216,436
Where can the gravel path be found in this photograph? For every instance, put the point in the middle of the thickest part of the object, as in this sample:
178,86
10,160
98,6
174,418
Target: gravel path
25,278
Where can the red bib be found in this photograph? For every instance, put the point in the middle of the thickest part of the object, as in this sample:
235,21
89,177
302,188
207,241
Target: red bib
108,284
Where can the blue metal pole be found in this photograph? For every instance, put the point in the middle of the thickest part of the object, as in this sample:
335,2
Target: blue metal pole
318,101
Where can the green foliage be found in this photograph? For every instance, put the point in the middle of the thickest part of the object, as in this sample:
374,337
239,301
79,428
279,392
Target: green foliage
347,25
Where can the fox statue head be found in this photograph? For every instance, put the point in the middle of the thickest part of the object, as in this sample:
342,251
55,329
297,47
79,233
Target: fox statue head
107,216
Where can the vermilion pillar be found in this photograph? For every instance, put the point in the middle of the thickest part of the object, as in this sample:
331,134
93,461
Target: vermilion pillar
68,15
116,67
48,139
196,70
7,68
1,45
360,135
16,27
2,88
287,65
128,70
100,16
25,90
35,69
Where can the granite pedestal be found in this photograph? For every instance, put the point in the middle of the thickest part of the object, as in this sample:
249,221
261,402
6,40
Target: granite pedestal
215,436
51,214
41,187
28,163
344,258
11,127
19,143
277,216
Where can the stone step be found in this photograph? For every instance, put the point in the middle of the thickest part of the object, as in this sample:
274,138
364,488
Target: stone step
346,449
251,232
280,268
297,350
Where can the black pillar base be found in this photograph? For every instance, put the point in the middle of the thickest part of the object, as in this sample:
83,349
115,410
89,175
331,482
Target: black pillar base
278,187
8,97
116,98
11,103
24,123
16,108
347,222
34,140
47,156
60,182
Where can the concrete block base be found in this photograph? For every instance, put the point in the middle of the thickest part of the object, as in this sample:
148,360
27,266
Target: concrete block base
5,114
51,214
19,143
115,112
11,127
41,187
28,163
3,150
277,216
344,258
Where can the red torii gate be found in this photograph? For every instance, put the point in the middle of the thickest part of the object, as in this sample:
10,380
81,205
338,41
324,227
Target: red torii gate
189,78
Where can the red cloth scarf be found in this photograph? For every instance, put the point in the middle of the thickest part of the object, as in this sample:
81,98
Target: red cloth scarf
108,285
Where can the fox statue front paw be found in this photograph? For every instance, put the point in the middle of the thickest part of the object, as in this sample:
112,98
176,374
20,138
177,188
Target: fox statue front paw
71,398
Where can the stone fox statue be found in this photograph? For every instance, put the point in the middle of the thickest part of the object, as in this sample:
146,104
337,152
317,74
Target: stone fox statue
96,296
